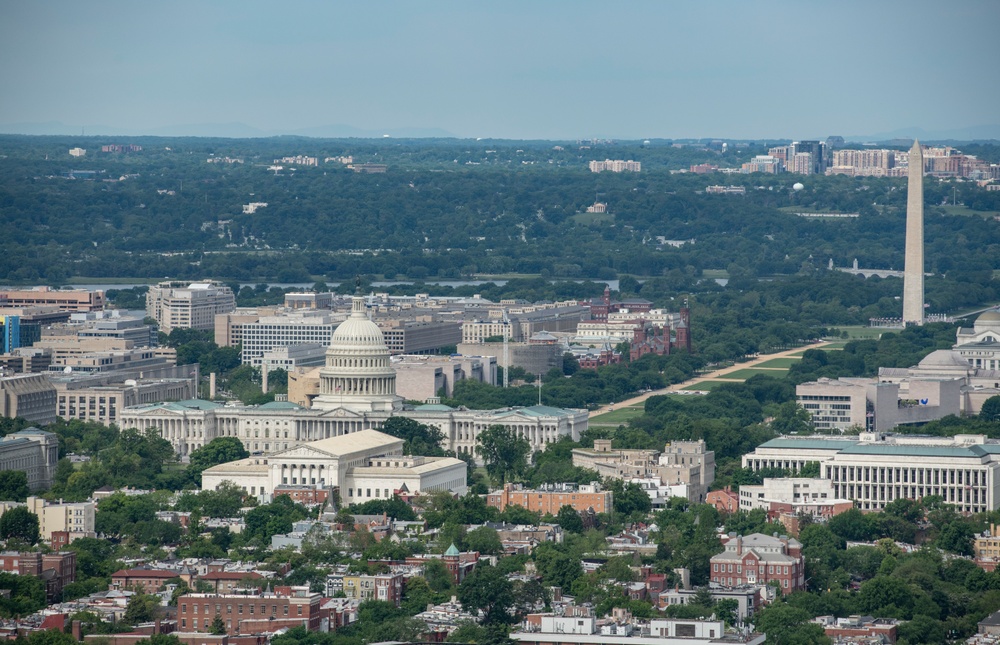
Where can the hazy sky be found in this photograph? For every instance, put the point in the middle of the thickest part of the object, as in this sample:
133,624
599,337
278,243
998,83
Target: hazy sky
511,69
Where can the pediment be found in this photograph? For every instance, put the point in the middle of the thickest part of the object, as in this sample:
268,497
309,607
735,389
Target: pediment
341,413
301,452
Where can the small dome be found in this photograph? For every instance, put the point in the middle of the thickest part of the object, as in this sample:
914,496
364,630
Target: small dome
944,358
988,320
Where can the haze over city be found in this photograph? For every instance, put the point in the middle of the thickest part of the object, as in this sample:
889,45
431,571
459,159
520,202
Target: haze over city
559,70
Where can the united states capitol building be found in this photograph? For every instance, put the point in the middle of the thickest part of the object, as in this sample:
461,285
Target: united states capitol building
357,392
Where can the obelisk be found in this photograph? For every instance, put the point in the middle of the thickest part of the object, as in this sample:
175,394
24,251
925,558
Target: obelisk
913,269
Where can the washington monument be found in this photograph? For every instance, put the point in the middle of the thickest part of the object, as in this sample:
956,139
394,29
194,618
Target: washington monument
913,269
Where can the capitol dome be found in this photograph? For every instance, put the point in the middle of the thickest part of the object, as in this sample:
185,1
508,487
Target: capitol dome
358,375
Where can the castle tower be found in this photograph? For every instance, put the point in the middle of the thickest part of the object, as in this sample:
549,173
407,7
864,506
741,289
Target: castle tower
913,269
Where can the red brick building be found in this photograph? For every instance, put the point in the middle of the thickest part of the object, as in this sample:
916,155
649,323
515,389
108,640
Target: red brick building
144,580
56,570
724,501
760,559
582,498
250,614
303,494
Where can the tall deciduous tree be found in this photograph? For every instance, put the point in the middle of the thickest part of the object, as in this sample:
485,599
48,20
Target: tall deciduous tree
19,523
13,485
217,451
504,452
486,589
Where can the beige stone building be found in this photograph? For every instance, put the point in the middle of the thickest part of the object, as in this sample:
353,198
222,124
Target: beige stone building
364,465
679,463
75,519
34,452
183,305
28,396
64,299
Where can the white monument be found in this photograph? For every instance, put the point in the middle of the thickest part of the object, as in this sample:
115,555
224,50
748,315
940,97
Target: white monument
913,270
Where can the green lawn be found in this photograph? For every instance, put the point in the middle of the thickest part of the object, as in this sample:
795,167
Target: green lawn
837,344
783,363
618,416
715,273
861,331
705,385
965,210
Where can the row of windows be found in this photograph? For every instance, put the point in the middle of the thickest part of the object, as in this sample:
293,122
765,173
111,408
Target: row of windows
239,609
739,581
935,476
771,569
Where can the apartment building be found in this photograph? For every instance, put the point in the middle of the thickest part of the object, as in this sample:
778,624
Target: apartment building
615,165
59,522
55,570
250,613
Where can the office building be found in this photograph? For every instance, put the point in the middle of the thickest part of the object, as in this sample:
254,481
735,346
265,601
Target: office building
183,305
877,404
33,452
794,495
299,328
686,463
100,400
63,299
873,469
28,396
363,465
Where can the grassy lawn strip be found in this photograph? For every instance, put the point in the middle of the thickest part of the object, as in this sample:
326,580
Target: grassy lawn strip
618,416
705,385
783,363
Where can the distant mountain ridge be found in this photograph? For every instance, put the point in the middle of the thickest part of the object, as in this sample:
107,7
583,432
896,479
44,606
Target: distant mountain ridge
239,130
233,130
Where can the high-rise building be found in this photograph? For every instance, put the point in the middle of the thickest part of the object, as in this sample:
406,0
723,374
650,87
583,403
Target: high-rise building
913,269
817,161
10,333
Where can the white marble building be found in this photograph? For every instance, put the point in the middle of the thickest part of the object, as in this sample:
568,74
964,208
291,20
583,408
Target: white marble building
363,465
357,392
